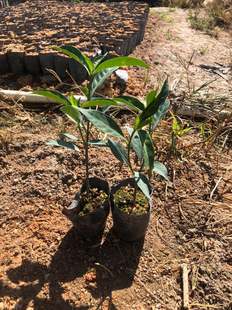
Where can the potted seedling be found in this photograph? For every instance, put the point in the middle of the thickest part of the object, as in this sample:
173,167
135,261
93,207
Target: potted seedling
90,207
131,198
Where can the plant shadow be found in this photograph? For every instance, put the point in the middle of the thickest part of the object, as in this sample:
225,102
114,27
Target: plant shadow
113,263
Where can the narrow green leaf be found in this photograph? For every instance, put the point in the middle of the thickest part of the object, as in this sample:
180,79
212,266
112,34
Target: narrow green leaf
148,149
160,169
136,144
100,78
98,142
62,143
74,102
118,150
186,130
101,102
77,55
102,122
151,96
159,115
54,95
143,184
69,136
175,125
85,90
98,59
153,107
131,102
122,61
72,112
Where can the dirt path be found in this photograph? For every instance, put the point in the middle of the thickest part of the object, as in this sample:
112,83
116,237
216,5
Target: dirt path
171,45
43,263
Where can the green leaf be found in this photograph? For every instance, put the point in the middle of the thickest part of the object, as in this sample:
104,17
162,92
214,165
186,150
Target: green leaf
54,95
101,102
98,142
160,169
77,55
136,143
85,91
143,146
131,102
153,107
143,184
151,96
118,150
74,102
100,78
69,136
186,130
62,143
98,59
159,115
102,122
122,61
175,125
72,113
148,149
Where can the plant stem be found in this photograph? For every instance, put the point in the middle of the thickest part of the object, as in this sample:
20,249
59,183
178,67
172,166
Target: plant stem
129,150
130,165
86,146
173,144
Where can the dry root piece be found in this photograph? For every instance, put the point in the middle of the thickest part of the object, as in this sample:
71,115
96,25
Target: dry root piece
185,285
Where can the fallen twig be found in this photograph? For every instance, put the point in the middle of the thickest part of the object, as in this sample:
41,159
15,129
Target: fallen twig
214,189
185,284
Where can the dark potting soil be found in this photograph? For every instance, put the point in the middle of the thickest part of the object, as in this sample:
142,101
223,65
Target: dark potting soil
124,200
92,200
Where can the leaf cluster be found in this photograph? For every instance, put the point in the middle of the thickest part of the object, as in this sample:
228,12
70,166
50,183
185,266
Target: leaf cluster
91,112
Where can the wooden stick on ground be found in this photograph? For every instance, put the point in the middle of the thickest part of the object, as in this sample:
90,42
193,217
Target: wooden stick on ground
185,284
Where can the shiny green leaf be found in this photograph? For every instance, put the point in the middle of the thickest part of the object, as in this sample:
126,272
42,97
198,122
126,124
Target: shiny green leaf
67,145
69,136
159,115
131,102
160,169
102,122
72,112
54,95
153,107
74,102
98,142
100,78
122,61
77,55
136,144
150,98
101,102
118,150
98,59
143,183
148,149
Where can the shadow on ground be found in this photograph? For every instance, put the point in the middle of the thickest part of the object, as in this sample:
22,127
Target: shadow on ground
114,263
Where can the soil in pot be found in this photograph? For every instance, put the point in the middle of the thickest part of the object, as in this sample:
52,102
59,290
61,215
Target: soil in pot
90,208
131,217
91,201
124,201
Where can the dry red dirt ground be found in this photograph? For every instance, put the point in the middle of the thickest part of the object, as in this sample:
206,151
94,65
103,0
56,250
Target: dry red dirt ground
45,265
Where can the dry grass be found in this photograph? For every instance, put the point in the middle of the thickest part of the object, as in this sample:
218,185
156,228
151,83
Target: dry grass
183,3
206,15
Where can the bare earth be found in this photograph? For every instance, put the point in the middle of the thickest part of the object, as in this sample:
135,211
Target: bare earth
45,265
